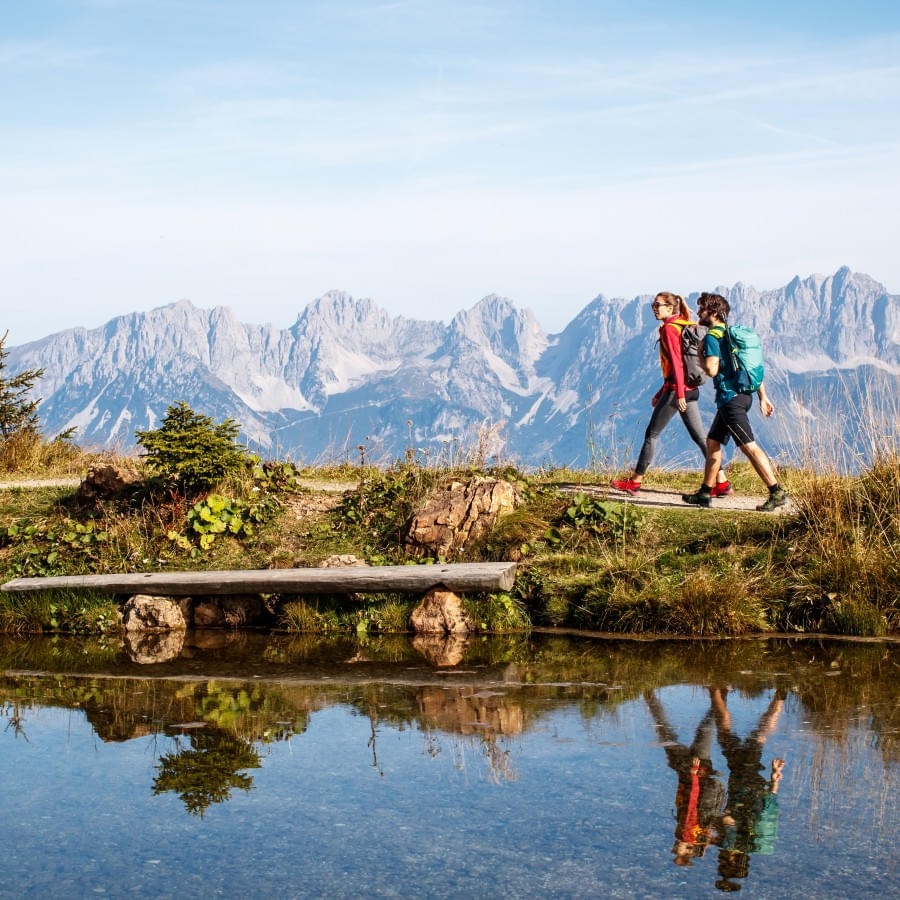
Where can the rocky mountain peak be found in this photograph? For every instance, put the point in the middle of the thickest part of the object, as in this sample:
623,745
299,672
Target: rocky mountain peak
347,366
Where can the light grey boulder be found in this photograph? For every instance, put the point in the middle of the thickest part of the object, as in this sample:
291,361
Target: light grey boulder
144,612
441,612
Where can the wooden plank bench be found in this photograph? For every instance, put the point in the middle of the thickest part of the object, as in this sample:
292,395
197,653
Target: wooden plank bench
496,576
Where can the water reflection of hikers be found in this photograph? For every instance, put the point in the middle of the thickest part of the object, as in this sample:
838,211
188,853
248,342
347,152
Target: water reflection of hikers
751,816
699,796
678,394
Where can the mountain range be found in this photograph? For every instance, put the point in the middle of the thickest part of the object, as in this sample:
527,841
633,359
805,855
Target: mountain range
491,383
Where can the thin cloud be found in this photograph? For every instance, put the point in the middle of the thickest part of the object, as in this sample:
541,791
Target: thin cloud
46,54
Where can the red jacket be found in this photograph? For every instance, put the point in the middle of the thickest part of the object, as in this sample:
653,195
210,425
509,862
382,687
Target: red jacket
670,359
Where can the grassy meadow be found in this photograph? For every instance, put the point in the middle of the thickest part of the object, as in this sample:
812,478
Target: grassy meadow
833,566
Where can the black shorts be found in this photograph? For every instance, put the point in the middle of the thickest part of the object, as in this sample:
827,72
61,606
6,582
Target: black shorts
731,421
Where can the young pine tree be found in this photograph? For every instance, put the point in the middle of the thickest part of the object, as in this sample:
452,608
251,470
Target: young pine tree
192,450
17,411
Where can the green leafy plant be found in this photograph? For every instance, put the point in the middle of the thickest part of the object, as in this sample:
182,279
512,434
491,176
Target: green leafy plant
501,612
217,515
384,501
192,451
52,550
277,477
602,518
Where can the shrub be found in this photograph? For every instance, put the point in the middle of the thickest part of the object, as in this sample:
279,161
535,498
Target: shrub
384,502
191,451
499,612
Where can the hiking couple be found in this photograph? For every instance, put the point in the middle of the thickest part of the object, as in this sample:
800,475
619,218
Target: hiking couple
746,822
685,360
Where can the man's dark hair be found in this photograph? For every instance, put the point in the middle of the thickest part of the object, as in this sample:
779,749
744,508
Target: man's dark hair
715,304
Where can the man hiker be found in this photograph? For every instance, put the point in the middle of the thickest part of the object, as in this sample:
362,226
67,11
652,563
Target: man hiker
750,821
732,406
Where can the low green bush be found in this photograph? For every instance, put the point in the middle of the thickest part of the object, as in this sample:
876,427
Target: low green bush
192,452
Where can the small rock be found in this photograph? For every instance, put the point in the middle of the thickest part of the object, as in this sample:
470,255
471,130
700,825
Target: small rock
231,612
186,605
341,560
106,480
240,611
208,614
144,612
441,612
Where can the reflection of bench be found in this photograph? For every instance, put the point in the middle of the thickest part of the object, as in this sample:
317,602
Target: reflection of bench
475,577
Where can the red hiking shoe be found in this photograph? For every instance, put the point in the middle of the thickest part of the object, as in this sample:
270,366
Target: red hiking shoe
722,490
629,486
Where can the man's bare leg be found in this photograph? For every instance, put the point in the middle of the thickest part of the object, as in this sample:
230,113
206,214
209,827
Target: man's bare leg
723,717
713,462
768,721
760,462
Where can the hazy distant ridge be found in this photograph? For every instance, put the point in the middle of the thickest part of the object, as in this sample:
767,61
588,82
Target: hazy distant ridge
348,373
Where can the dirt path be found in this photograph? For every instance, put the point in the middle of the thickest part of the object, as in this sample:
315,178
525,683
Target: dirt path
326,487
660,498
35,483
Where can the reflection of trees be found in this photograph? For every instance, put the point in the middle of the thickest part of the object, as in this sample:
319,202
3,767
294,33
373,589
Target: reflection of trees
207,771
844,688
13,712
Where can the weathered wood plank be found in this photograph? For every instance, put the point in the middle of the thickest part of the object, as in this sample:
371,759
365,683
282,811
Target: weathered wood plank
352,579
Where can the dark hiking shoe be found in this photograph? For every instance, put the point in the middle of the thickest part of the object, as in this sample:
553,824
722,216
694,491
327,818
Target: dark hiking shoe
776,498
699,498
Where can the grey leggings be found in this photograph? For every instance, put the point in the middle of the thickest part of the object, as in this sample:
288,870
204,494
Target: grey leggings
663,413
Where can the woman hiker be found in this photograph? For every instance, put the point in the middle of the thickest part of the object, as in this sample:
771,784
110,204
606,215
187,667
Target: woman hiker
674,396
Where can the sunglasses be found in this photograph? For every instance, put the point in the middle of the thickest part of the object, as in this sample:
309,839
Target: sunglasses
660,305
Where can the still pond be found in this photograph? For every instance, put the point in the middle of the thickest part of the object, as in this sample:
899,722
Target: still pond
236,764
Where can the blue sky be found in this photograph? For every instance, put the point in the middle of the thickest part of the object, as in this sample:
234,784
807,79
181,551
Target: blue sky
256,154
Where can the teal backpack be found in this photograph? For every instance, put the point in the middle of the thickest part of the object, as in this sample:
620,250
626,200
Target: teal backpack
746,356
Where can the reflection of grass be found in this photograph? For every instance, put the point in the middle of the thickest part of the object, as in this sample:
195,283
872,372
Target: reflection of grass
88,653
839,685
